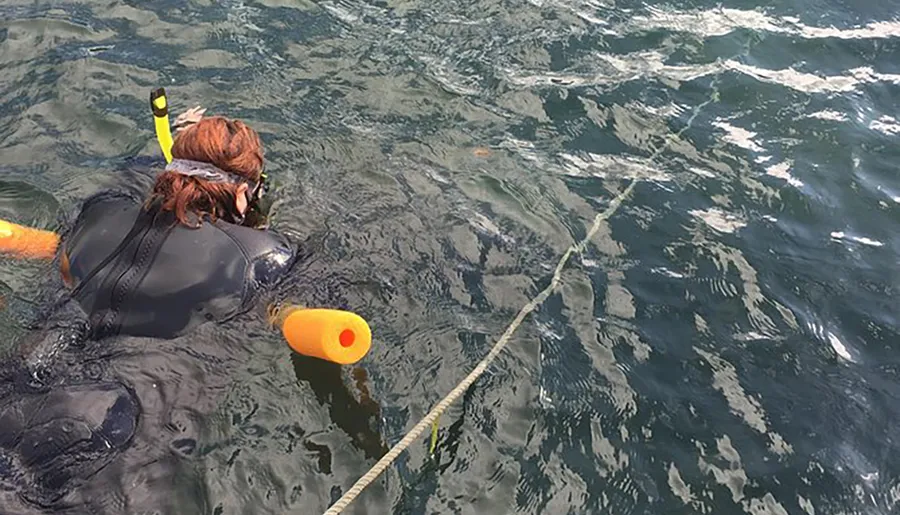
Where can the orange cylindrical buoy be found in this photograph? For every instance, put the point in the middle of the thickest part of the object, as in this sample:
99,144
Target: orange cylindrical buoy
26,242
329,334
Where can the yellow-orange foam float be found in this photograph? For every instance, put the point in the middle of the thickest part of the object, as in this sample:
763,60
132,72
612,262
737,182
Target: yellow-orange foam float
330,334
26,242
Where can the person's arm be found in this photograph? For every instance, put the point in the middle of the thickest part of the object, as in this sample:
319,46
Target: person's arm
59,325
42,244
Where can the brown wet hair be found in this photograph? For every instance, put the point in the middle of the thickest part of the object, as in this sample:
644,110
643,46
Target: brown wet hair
228,144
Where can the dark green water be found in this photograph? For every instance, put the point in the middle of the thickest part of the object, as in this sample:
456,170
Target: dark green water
727,343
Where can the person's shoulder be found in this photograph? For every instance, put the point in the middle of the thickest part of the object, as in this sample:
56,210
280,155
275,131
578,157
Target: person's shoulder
109,198
273,255
99,204
278,250
279,242
259,244
267,255
254,241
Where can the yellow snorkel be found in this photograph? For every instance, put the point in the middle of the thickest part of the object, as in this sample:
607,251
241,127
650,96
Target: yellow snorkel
160,108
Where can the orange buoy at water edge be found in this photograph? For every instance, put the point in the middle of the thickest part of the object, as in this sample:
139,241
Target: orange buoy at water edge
26,242
330,334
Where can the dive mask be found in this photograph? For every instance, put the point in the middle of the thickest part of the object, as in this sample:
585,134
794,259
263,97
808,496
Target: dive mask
257,210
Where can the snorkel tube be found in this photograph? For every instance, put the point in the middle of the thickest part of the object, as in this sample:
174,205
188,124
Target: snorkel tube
160,107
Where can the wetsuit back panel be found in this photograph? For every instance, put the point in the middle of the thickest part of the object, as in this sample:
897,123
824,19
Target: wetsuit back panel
139,272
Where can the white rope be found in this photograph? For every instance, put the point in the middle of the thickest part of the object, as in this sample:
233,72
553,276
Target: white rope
479,369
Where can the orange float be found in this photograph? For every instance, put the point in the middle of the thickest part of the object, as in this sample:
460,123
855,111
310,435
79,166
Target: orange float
26,242
330,334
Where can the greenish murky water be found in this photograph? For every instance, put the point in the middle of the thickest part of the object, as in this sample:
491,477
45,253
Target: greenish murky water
727,343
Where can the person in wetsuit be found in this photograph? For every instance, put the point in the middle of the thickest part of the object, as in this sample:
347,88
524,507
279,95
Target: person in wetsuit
157,267
184,256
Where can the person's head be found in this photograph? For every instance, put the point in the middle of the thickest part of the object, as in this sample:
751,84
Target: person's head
229,146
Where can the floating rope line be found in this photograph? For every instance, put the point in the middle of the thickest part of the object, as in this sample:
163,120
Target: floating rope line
498,347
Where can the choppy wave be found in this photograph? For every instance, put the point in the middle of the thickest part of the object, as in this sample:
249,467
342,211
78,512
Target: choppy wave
438,159
722,21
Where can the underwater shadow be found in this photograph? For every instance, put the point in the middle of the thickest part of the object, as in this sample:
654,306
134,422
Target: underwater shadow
358,417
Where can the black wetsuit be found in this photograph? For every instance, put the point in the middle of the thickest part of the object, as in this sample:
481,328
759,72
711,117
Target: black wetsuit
140,273
135,272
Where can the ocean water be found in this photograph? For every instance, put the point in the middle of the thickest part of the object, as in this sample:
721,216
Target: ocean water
726,343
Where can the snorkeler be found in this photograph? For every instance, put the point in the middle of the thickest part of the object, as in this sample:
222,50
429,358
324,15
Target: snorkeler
191,252
154,267
102,405
182,256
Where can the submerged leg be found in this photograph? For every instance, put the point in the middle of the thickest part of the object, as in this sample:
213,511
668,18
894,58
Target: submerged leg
53,441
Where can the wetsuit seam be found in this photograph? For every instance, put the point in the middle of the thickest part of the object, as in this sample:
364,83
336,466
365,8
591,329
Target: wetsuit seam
142,265
110,258
109,318
110,323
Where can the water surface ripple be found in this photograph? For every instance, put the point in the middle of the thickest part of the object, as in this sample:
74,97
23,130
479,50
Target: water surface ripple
724,345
